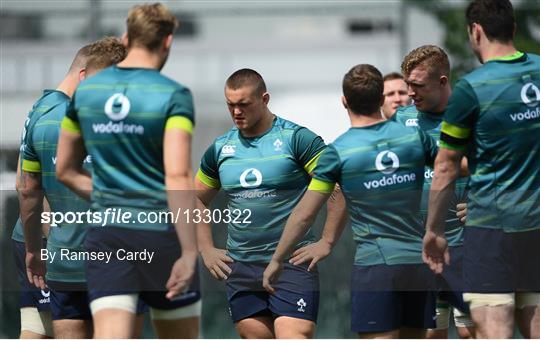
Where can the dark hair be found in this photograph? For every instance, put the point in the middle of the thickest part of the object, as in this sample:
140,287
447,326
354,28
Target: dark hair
392,76
363,89
432,57
246,77
495,16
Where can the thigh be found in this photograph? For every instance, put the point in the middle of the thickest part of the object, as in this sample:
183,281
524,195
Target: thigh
256,327
286,327
296,293
69,303
527,248
245,294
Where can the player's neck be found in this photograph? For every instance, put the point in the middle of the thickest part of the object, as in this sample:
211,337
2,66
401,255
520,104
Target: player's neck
69,85
261,127
497,50
365,120
141,58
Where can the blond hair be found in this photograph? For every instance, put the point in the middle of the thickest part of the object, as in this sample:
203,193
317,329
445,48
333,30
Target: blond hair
104,53
431,57
149,24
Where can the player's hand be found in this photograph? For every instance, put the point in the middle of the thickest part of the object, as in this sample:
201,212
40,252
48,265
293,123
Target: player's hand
461,212
35,270
216,261
182,274
271,274
313,252
435,252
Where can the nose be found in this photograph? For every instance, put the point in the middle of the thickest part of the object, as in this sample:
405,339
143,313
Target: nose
410,91
237,111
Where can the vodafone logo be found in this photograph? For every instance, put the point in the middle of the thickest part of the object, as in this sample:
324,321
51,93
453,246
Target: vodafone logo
382,162
117,107
251,178
530,94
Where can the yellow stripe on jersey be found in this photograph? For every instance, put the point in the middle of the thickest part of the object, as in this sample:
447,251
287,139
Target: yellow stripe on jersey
321,186
454,147
455,131
179,122
70,125
208,181
31,166
310,166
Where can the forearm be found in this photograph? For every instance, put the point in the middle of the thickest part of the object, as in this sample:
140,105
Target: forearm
441,193
180,198
79,181
336,217
204,230
31,206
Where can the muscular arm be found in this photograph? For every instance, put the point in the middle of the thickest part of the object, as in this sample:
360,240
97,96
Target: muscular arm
69,164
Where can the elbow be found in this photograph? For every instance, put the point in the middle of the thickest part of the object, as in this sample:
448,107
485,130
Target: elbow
62,175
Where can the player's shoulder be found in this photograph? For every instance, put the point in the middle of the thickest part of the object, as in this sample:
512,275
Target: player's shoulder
406,115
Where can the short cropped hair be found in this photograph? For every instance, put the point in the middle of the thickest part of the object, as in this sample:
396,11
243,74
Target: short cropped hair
149,24
104,53
431,57
363,89
392,76
80,59
246,77
495,16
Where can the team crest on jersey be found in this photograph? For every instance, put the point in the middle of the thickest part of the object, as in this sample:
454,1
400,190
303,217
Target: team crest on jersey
277,144
530,94
301,305
411,122
117,107
228,149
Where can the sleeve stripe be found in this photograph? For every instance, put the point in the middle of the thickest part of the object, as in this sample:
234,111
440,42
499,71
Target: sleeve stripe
455,131
179,122
321,186
310,166
454,147
70,125
31,166
207,180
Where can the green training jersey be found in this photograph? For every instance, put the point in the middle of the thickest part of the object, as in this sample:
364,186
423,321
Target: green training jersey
380,169
263,178
494,115
122,114
40,157
49,100
430,123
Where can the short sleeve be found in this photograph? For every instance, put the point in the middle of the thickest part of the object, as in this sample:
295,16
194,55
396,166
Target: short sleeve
181,111
307,147
71,120
327,172
208,172
29,156
460,116
430,147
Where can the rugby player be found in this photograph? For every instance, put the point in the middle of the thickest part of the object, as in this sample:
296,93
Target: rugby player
263,165
395,94
377,162
65,278
136,124
492,117
427,74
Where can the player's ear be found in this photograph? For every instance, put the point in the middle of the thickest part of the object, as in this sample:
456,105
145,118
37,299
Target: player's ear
168,42
125,40
344,102
266,98
477,31
82,74
443,80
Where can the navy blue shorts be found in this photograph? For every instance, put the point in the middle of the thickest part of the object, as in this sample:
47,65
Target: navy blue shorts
450,282
296,295
389,297
146,277
30,296
499,262
70,301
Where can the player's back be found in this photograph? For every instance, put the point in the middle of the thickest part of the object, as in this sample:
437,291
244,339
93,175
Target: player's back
122,114
382,167
505,156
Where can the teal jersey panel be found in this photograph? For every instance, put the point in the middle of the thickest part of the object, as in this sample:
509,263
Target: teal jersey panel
265,175
122,113
47,102
380,169
430,123
41,146
499,103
